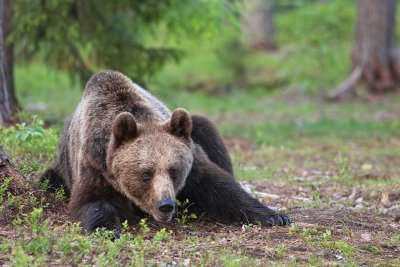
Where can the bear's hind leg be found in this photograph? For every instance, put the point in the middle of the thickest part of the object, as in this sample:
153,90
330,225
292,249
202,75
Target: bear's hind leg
206,135
214,193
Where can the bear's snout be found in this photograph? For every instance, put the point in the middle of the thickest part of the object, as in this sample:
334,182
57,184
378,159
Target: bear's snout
164,210
166,205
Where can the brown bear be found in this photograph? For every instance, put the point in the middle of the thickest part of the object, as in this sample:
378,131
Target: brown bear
123,154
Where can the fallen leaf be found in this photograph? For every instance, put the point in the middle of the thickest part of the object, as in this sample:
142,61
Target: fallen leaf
366,237
339,257
186,262
268,198
366,167
385,198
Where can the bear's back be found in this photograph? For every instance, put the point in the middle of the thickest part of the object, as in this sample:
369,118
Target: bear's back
112,89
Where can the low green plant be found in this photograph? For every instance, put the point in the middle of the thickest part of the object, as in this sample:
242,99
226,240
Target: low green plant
20,257
343,167
327,236
281,250
110,256
60,194
31,142
144,228
183,215
37,242
233,260
73,245
15,201
161,235
342,246
26,132
4,246
44,184
395,240
250,226
374,249
314,261
3,188
316,199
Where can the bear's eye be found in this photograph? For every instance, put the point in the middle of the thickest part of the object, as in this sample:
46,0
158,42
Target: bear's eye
147,175
174,174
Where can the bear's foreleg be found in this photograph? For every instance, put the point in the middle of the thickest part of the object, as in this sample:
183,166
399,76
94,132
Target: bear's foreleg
216,194
96,204
98,214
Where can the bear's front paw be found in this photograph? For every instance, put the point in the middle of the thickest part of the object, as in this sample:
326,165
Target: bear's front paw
101,215
111,223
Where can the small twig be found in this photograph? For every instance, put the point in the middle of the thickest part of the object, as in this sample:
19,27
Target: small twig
245,215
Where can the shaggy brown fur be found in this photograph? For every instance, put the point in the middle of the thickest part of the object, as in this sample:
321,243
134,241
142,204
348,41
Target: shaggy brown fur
122,153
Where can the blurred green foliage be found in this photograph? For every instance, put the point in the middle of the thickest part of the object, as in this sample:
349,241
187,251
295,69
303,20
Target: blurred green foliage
317,24
195,46
44,90
317,41
314,54
314,38
135,37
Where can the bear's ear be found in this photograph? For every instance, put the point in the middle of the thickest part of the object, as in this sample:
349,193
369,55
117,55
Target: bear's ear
180,123
124,127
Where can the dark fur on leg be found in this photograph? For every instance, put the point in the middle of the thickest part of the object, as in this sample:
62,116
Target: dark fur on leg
206,135
96,204
99,214
59,173
215,193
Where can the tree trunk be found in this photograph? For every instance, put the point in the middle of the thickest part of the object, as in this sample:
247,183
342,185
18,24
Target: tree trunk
376,56
8,101
259,25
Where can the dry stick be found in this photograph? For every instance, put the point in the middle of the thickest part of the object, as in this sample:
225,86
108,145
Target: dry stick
7,169
347,86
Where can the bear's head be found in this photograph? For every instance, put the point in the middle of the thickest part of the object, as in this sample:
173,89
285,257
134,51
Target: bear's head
149,163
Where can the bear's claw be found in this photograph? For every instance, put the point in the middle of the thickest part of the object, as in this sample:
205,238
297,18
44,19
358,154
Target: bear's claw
286,220
279,219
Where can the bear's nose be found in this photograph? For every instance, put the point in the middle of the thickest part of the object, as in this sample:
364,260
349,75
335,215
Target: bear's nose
166,205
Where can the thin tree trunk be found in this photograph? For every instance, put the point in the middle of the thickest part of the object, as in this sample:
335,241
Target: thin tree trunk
375,53
8,101
259,25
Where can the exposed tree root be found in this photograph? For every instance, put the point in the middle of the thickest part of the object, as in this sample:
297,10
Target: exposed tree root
347,88
7,169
